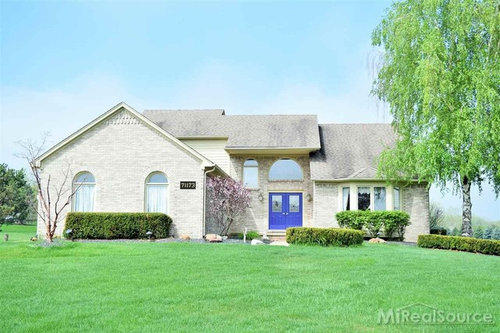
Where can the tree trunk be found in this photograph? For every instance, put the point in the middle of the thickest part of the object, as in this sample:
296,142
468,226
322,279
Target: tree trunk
466,208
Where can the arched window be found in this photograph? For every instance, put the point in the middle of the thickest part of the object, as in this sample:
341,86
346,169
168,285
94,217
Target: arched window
156,193
251,174
285,169
84,187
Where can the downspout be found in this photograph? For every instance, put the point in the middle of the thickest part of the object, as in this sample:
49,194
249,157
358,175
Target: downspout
204,198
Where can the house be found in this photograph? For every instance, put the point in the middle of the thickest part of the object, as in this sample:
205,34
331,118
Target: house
299,172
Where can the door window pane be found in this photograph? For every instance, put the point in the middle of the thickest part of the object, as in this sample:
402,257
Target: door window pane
379,198
397,198
363,198
294,204
276,203
346,198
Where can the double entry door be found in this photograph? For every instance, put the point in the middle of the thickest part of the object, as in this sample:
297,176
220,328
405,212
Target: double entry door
285,210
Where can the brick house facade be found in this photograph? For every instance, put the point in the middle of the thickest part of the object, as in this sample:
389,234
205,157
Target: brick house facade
122,149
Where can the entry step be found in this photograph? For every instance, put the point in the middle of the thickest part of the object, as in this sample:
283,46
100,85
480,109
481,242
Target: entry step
276,235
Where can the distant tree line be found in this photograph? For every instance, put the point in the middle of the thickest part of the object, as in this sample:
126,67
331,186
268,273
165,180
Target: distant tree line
437,218
17,196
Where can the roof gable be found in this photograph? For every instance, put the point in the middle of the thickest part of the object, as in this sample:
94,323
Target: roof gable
133,116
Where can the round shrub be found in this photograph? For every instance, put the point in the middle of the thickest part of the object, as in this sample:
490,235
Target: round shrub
250,235
391,222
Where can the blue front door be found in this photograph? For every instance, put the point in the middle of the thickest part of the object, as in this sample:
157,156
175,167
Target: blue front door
285,210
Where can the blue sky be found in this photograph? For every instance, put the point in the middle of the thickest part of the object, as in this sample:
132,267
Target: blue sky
64,63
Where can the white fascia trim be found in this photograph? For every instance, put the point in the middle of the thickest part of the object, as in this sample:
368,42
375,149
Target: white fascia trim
117,107
341,180
272,148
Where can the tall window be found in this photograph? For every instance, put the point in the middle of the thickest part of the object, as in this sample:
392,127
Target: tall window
379,198
251,174
84,187
346,198
397,198
363,198
156,193
285,169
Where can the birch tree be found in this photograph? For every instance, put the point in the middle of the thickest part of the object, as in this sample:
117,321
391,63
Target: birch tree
440,75
52,197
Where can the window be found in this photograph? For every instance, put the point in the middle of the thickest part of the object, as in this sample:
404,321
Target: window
379,198
363,198
285,169
156,193
277,204
84,187
251,174
346,198
294,203
397,198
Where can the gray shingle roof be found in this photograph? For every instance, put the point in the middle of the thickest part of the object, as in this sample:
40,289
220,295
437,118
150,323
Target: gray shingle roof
242,131
350,150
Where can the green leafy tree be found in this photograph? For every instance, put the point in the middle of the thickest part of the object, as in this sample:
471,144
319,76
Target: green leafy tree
496,234
488,232
16,196
478,232
440,76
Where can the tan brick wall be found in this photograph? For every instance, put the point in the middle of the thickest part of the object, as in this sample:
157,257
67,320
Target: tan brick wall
325,205
416,203
257,217
121,152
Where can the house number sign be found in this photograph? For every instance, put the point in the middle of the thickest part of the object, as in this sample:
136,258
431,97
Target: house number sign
188,185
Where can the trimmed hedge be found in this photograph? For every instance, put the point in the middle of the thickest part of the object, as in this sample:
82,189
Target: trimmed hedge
116,225
469,244
324,236
389,221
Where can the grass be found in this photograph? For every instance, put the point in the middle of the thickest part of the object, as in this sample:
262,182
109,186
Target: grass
150,287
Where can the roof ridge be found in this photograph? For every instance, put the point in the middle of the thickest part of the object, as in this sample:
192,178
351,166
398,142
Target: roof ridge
272,115
339,124
182,110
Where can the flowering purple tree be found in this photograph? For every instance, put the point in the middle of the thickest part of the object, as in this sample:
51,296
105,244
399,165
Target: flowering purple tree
227,200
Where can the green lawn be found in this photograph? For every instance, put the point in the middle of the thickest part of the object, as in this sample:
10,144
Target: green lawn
153,287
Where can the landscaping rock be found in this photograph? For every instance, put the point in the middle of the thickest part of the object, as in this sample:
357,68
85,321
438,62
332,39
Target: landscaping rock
213,238
376,240
257,242
266,240
185,237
